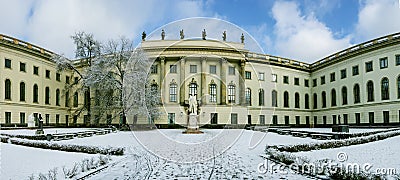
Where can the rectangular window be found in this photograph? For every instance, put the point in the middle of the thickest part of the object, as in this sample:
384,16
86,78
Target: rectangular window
67,79
172,92
315,120
47,116
333,77
66,119
214,118
369,66
322,80
213,69
231,70
76,79
171,118
36,70
286,79
286,120
57,119
247,75
48,74
371,118
386,117
153,69
262,119
306,83
358,118
355,70
213,93
297,120
58,77
397,59
314,82
343,73
261,76
8,117
383,62
231,94
274,119
7,63
308,120
274,78
193,68
22,67
296,81
22,117
172,68
324,119
234,118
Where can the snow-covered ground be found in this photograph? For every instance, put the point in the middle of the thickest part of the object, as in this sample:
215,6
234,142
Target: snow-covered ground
46,131
327,130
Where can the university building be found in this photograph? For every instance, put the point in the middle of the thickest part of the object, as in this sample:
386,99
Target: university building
357,86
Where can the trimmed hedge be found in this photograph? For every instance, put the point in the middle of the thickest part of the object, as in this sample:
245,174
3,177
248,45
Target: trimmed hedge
69,147
4,139
30,137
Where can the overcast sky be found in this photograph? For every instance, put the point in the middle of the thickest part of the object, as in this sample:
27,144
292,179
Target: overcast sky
305,30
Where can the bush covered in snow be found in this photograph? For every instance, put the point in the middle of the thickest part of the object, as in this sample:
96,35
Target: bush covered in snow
69,147
31,137
4,139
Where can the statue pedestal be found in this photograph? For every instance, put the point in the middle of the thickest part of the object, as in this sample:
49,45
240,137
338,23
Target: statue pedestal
192,126
31,124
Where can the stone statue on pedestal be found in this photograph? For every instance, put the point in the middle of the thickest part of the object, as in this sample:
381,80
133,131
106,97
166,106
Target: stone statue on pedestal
31,121
192,105
224,36
242,38
193,118
204,34
162,34
144,36
181,34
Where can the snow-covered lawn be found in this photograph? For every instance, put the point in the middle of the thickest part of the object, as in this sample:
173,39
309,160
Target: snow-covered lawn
327,130
46,131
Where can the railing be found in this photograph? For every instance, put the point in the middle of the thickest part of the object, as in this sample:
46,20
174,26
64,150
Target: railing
279,60
25,44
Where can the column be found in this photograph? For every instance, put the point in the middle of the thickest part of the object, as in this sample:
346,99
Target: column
242,83
224,64
182,81
163,83
203,80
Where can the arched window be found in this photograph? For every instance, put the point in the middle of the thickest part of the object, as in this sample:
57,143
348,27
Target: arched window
307,101
76,99
86,100
315,99
172,92
385,88
67,99
7,89
47,95
192,89
356,91
248,96
35,93
274,98
344,95
323,99
261,97
231,93
285,99
398,87
57,97
333,97
213,93
22,91
370,91
296,100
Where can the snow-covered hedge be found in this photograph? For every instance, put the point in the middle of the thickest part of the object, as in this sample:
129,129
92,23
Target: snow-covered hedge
31,137
4,139
69,147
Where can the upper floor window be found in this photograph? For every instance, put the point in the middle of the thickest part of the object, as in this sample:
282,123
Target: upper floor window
343,73
306,101
172,92
323,99
286,79
247,75
7,63
248,96
398,88
383,62
370,91
261,76
192,89
35,93
47,95
22,91
153,69
344,95
315,101
297,100
261,97
76,98
76,79
356,93
274,98
355,70
314,82
231,93
296,81
322,80
48,74
333,97
385,88
333,77
231,70
213,69
286,99
58,77
274,78
193,68
369,66
306,83
397,59
22,67
172,68
35,70
57,97
213,93
7,89
67,79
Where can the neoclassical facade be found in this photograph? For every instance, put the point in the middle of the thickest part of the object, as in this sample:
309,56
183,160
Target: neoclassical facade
357,86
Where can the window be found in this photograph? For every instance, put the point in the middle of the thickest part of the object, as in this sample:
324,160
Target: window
322,80
67,99
192,89
8,117
333,77
306,101
76,79
355,70
333,97
386,117
193,68
343,73
231,93
314,82
297,120
323,95
213,69
57,119
7,63
22,67
369,66
315,101
47,95
153,69
286,120
36,70
370,91
247,75
171,118
35,93
67,79
371,118
296,100
22,91
234,118
47,117
383,62
248,96
274,78
261,76
385,88
397,59
275,119
76,99
7,89
358,118
296,81
231,70
274,98
286,79
306,83
398,87
172,69
58,77
356,92
262,119
213,93
22,117
172,92
344,95
286,99
261,97
307,120
214,118
48,74
57,97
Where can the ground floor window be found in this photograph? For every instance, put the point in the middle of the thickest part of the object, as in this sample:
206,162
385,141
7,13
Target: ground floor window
57,119
262,119
371,117
248,119
315,120
47,116
324,119
308,120
297,120
22,117
8,117
345,119
287,120
358,118
171,118
275,119
66,119
234,118
386,117
214,118
334,119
